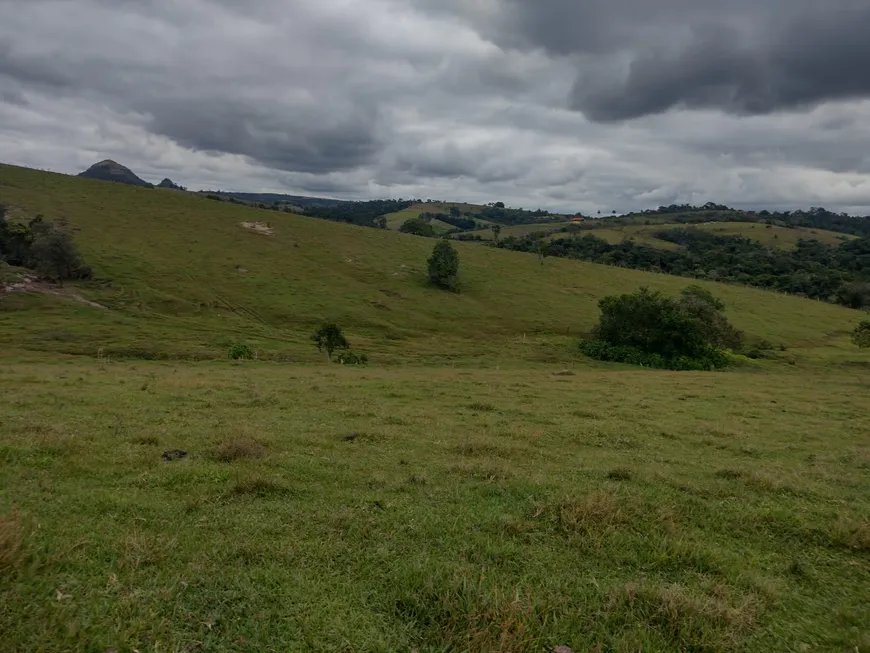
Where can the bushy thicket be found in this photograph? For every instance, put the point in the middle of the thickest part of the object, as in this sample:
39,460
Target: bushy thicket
813,269
45,247
651,329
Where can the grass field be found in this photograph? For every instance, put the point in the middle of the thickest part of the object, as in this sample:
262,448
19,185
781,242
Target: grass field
479,487
397,219
520,230
331,509
187,280
768,235
775,236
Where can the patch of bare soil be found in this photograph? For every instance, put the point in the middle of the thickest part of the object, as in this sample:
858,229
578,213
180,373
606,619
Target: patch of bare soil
27,283
259,227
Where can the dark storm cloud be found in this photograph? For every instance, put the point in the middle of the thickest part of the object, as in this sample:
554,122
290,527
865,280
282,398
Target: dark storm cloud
641,57
575,104
809,60
304,140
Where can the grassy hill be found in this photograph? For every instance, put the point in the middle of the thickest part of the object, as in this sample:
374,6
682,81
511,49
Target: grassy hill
479,487
613,232
187,279
772,236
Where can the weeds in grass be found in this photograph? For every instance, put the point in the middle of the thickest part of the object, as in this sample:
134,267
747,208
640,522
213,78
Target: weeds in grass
596,512
482,407
146,440
11,540
480,450
239,449
259,487
851,533
683,618
620,474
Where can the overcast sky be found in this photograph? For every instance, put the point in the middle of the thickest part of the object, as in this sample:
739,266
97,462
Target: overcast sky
578,105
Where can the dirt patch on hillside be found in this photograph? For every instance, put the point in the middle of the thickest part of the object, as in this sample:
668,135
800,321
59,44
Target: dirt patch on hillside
27,283
259,227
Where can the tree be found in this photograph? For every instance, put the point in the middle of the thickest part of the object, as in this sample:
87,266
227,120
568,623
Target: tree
329,338
444,266
455,212
418,227
53,251
861,335
496,232
381,222
499,205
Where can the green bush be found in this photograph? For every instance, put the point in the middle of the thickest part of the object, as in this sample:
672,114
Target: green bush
861,335
352,358
710,360
418,227
242,351
650,329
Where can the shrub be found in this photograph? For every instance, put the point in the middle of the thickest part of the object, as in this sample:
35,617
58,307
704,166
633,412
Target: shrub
599,350
242,351
861,335
647,328
350,357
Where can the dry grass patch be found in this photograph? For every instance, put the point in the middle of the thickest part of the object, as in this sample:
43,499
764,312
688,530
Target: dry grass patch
239,449
258,487
11,540
685,619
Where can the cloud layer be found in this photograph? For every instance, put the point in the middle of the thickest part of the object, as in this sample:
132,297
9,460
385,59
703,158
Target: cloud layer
594,105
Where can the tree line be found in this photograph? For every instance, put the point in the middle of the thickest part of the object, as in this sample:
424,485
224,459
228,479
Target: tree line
838,274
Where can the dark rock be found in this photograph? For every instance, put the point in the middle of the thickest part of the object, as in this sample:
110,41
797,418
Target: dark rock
175,454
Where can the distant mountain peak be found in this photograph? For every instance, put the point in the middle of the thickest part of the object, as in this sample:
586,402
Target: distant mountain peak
168,183
109,170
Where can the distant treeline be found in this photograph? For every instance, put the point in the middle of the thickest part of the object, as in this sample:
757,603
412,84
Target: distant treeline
814,218
367,214
838,274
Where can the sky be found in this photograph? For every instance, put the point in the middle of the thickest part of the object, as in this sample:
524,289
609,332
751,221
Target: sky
568,105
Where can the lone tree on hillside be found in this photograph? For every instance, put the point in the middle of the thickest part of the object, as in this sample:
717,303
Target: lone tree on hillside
496,232
861,335
444,266
329,338
53,251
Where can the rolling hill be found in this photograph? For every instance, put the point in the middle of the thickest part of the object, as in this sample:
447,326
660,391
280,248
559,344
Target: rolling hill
180,276
614,232
478,487
109,170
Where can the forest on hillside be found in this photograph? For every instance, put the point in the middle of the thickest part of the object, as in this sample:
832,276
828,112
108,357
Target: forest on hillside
813,269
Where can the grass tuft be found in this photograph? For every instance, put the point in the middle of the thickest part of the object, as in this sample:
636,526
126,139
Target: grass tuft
239,449
620,474
146,440
258,487
11,540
